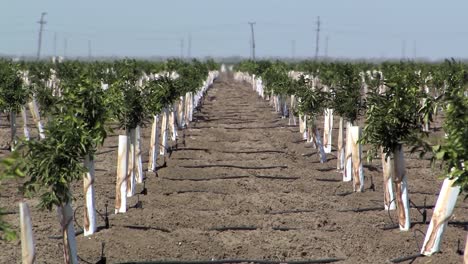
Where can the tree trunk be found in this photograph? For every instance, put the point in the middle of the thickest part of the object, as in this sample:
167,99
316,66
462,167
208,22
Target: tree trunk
358,173
292,107
25,122
389,198
36,117
302,126
164,126
187,108
28,251
318,142
131,181
154,145
121,182
138,162
89,223
401,189
13,130
440,216
328,130
348,170
65,214
340,153
389,202
191,102
172,124
181,111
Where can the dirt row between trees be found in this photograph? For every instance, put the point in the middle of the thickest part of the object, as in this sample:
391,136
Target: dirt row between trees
241,184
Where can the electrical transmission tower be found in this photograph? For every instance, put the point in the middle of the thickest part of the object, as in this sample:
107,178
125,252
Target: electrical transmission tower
41,22
317,38
253,39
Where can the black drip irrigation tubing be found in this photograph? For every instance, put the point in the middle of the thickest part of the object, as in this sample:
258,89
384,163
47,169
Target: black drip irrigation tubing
194,191
243,128
328,180
207,179
460,224
194,149
233,228
298,211
8,213
276,177
406,258
233,166
357,210
145,228
254,152
235,261
326,169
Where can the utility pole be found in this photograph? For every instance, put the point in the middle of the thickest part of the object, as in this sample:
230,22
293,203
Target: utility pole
414,49
65,46
55,44
326,47
89,49
189,48
182,48
317,38
41,22
293,49
253,39
403,49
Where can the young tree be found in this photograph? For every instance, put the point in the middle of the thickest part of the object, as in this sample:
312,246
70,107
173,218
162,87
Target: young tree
394,119
453,154
13,94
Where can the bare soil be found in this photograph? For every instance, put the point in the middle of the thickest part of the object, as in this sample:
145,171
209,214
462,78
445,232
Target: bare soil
241,184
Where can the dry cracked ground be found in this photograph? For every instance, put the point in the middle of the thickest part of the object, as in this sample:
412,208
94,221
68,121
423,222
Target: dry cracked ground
241,184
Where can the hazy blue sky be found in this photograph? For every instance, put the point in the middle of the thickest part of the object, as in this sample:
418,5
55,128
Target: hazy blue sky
355,28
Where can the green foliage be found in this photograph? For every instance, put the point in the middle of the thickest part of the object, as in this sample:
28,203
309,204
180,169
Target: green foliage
8,170
276,79
126,102
161,93
83,98
394,117
13,94
454,152
53,163
191,76
312,101
345,87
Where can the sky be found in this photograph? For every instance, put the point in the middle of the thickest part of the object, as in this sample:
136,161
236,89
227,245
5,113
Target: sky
431,29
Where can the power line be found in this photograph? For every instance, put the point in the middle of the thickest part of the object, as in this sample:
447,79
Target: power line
89,49
403,49
41,22
55,44
253,39
326,47
65,46
189,48
293,49
181,48
317,38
